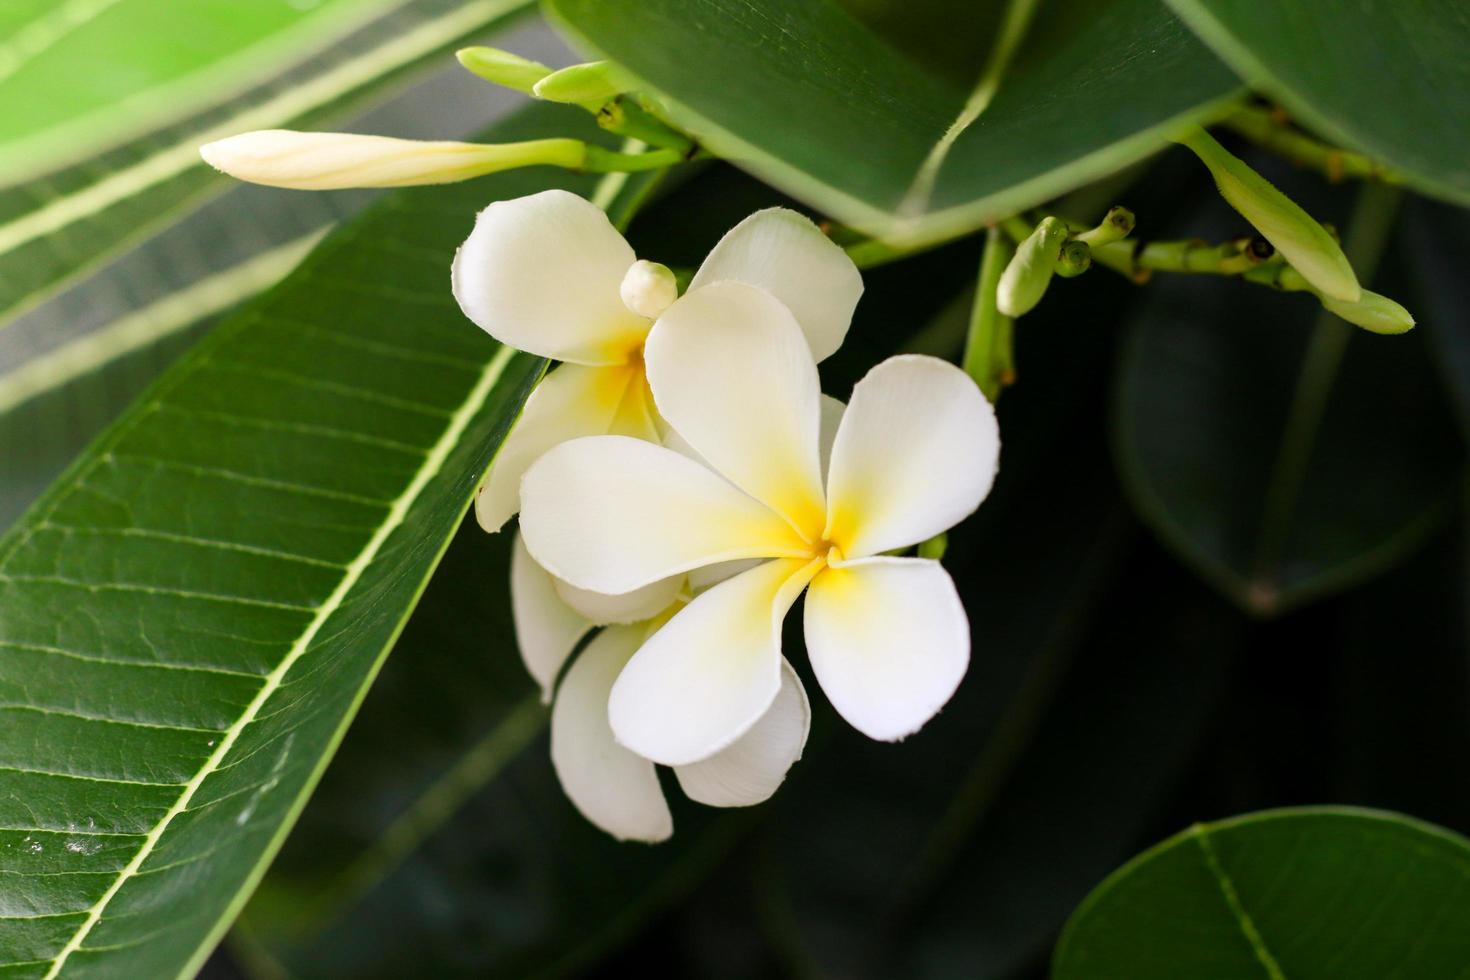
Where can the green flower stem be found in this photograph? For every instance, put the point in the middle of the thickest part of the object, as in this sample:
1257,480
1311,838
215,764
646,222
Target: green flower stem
627,118
988,355
600,161
1265,128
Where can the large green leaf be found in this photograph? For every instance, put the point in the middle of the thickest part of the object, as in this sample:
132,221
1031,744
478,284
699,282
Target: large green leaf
1252,435
77,77
1388,77
804,96
1309,893
56,227
191,616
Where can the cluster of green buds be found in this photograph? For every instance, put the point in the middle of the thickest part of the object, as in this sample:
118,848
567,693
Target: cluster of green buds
331,161
1291,250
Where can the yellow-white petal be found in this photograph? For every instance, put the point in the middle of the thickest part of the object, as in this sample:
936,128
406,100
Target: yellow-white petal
613,514
731,373
630,607
786,255
543,274
889,642
613,788
915,454
749,770
710,673
547,629
832,412
569,402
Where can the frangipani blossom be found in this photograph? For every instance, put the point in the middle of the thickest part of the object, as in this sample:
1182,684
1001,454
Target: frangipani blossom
614,788
549,274
914,454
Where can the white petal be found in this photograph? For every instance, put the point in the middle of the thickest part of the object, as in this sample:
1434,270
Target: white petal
751,768
832,412
547,629
889,642
702,680
789,257
731,373
615,789
630,607
915,454
543,273
569,402
712,575
613,514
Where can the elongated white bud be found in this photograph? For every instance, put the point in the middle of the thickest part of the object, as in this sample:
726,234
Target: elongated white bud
1280,220
331,161
1029,272
649,288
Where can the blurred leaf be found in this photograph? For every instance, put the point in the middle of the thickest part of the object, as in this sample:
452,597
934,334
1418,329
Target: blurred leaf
193,613
78,77
1314,892
1280,463
1391,79
58,226
1437,240
804,96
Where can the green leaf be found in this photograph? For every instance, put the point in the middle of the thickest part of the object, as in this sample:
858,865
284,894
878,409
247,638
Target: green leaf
1280,452
1389,79
1317,892
807,98
55,228
193,613
78,77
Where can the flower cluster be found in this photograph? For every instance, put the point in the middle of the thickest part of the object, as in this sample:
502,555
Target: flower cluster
682,480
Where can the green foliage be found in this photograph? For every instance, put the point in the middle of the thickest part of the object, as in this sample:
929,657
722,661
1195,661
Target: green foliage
1314,892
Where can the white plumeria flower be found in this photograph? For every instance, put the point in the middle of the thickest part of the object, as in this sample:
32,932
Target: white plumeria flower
615,789
914,454
549,274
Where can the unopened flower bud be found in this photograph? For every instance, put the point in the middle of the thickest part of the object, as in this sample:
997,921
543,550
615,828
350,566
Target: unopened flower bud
503,68
1373,312
649,288
588,84
1029,272
1075,259
1298,236
330,161
1115,226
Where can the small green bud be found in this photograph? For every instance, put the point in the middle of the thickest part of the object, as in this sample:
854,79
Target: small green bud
1029,272
1115,226
934,548
1076,258
1298,236
1373,312
588,84
503,68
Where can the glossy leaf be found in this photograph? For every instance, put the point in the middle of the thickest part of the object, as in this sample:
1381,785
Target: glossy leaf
807,98
1308,893
78,77
1390,78
191,616
56,227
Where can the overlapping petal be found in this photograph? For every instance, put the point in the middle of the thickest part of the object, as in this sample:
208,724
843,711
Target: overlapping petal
888,640
569,402
750,769
630,607
915,454
787,255
731,372
612,787
542,274
613,514
712,671
547,629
